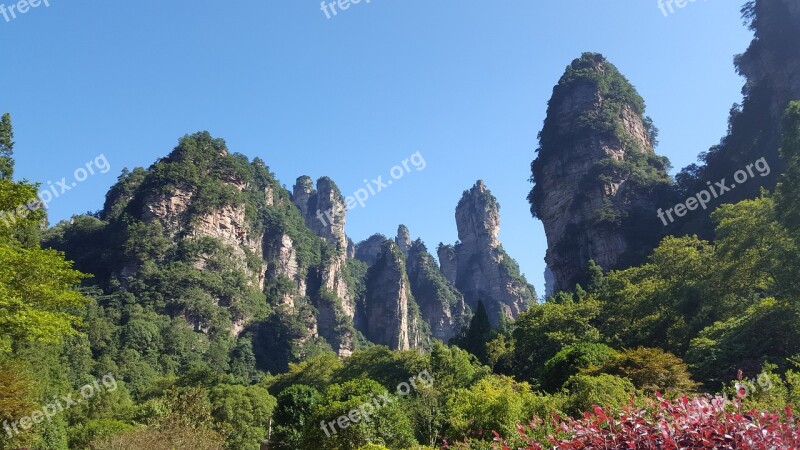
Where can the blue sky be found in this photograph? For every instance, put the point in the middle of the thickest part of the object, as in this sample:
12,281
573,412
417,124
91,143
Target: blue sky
465,83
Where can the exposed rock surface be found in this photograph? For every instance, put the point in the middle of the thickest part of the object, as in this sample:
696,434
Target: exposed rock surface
391,316
168,209
441,305
448,262
324,212
187,211
484,271
596,173
771,66
368,250
281,256
549,282
403,239
323,209
226,223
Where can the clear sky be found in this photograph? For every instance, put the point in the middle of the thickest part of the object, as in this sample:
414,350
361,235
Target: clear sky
465,83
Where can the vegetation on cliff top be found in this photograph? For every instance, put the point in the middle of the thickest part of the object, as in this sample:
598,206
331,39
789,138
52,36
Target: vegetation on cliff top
615,97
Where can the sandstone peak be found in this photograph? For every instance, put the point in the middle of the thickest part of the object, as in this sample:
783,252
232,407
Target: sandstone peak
391,316
478,217
323,209
478,265
596,173
403,239
368,250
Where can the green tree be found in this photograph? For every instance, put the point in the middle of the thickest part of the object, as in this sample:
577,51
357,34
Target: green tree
38,299
162,439
649,369
183,407
20,214
500,353
477,335
585,391
453,367
788,198
242,414
657,304
570,361
545,329
17,398
755,254
373,447
243,362
496,403
6,147
295,407
766,331
383,365
37,296
428,412
316,371
85,432
388,424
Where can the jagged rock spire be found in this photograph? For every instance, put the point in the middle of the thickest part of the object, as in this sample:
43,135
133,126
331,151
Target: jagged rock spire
483,270
596,173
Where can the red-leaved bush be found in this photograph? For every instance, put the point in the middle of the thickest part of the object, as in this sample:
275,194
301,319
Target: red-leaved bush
698,423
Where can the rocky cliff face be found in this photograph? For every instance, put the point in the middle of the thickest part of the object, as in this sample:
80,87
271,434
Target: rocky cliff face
177,215
182,232
484,271
212,238
441,305
324,212
281,257
391,316
448,262
441,308
403,240
323,209
596,174
771,66
368,251
204,214
773,59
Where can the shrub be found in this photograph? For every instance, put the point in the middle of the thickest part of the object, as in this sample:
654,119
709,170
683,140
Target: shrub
699,423
570,361
650,369
162,439
586,391
494,403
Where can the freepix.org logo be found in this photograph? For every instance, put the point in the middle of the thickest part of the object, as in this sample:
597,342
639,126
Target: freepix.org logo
718,189
60,404
52,191
329,8
369,409
667,7
10,12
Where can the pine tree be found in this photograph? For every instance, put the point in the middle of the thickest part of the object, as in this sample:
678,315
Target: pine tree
6,147
475,337
789,189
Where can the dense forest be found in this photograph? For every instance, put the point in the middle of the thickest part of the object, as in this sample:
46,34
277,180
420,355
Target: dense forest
139,326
